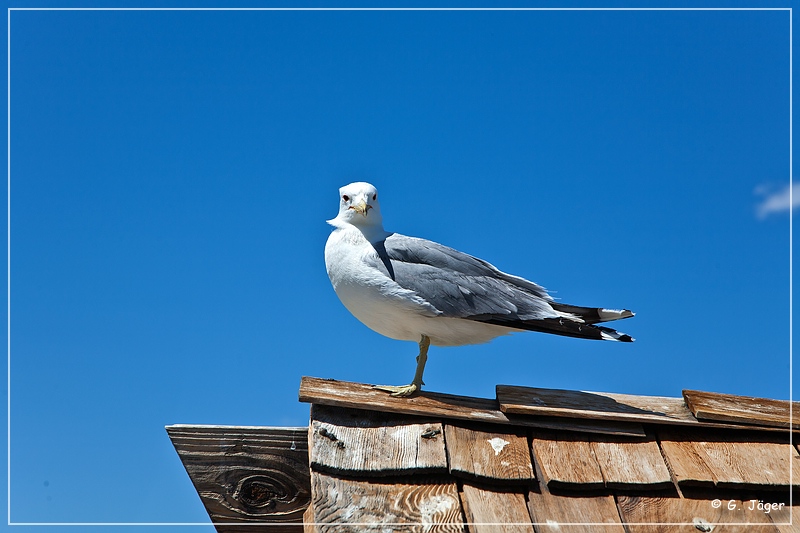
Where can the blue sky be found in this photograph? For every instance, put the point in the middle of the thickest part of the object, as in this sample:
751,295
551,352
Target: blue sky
171,174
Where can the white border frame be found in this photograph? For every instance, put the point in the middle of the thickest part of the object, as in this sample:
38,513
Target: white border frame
206,524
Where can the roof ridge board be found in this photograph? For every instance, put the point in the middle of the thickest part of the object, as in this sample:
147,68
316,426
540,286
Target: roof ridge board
586,404
745,410
561,403
350,395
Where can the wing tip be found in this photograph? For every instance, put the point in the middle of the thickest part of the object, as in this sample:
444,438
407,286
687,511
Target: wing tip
611,335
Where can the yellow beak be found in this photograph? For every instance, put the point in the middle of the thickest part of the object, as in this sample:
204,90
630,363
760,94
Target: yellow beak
361,208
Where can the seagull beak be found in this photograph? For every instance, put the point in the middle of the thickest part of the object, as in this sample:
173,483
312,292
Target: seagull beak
361,208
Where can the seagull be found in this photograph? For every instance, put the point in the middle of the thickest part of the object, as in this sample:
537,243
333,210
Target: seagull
412,289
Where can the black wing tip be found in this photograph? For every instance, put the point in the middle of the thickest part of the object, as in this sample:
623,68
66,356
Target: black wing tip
609,334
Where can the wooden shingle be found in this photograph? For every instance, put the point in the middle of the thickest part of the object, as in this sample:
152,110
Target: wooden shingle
574,514
489,455
420,504
631,464
678,515
725,459
369,443
566,459
489,511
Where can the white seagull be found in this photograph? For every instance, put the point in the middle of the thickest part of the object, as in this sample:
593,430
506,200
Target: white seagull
417,290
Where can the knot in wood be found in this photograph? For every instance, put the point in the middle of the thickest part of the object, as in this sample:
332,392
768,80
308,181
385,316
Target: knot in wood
260,492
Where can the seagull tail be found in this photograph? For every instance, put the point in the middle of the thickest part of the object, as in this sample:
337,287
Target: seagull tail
568,328
592,315
565,327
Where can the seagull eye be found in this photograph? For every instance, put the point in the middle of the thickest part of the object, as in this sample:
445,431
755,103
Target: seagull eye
346,198
374,196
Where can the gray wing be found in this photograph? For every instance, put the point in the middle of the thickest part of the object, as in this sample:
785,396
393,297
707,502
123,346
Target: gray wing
460,285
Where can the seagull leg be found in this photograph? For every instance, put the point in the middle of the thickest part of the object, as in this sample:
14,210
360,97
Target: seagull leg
422,358
405,391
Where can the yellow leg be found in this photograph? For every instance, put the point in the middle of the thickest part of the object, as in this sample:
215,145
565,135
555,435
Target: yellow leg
405,391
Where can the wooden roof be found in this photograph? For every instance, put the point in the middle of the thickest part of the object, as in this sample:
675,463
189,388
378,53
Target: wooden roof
530,460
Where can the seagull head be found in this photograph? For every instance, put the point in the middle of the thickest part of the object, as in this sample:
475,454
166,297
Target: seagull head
358,205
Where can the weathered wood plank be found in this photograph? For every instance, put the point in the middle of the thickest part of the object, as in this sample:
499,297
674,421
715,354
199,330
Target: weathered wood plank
364,396
631,464
418,504
489,511
430,404
579,404
678,515
489,455
247,475
573,514
687,465
742,409
602,406
566,459
369,443
728,459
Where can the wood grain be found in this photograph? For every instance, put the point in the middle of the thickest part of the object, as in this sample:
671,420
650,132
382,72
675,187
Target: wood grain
430,404
742,409
573,514
786,519
420,504
247,475
726,459
489,455
369,443
631,464
565,459
602,406
679,515
489,511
